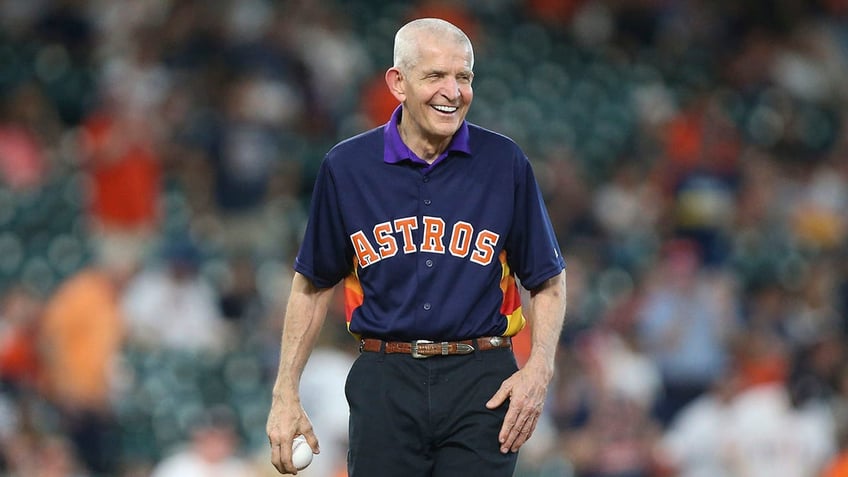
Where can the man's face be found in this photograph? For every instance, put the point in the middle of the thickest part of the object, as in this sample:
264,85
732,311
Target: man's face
436,91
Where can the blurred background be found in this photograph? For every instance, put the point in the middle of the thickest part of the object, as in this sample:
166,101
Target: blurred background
156,165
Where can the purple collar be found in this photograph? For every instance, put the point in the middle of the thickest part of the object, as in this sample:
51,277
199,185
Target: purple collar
396,151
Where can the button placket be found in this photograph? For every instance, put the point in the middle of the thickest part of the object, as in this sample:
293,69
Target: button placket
426,202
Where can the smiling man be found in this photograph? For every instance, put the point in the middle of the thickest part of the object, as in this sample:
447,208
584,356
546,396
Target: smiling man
430,222
432,79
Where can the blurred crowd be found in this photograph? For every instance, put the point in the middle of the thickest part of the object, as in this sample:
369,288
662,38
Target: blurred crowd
156,162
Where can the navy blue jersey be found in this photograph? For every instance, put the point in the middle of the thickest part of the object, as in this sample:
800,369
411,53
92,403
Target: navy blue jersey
429,251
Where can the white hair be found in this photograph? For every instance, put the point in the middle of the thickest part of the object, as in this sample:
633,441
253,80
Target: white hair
409,37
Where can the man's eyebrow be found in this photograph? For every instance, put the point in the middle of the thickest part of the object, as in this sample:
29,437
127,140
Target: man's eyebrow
443,72
435,71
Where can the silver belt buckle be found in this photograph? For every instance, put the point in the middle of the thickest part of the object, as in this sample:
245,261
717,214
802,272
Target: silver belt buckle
415,353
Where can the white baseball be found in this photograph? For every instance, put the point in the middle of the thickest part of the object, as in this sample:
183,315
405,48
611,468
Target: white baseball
301,453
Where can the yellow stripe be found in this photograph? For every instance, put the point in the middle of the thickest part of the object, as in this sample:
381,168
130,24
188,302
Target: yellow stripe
515,321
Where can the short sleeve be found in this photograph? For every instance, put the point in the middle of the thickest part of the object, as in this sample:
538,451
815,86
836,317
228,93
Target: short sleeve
532,248
325,255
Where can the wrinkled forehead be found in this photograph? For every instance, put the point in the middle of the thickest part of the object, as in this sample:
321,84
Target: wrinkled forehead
445,53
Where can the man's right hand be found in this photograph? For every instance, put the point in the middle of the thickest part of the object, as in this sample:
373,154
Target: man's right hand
287,420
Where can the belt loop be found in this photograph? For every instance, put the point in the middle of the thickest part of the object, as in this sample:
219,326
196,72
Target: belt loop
478,356
381,356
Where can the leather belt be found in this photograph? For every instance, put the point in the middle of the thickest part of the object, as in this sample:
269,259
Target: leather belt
427,349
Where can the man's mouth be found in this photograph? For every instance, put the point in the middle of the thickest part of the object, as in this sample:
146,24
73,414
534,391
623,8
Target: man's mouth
444,109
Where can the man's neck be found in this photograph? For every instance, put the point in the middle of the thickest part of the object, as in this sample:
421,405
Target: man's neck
426,149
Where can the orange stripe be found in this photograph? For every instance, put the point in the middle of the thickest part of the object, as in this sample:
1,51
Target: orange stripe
353,294
511,305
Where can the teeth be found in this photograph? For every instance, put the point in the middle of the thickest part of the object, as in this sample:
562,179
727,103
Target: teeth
445,109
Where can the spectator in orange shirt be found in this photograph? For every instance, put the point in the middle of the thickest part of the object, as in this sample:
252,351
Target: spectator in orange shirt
119,152
80,340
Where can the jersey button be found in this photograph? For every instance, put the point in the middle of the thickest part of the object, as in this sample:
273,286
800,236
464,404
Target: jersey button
426,179
427,306
427,201
429,263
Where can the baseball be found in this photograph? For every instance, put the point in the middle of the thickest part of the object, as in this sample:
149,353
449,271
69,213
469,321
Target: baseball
301,453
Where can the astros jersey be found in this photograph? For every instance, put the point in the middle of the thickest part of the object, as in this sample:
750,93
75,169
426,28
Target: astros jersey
429,251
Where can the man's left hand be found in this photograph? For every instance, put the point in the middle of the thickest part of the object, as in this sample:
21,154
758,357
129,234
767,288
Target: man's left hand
526,391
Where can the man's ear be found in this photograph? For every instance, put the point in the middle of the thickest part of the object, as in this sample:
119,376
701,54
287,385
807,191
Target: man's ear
394,80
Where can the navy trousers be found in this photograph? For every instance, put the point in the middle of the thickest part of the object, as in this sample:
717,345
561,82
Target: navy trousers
427,417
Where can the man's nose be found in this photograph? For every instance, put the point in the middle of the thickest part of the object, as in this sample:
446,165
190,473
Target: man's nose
452,89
